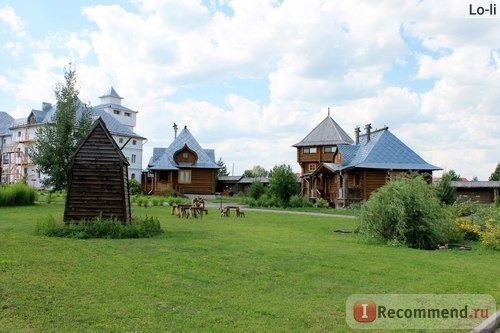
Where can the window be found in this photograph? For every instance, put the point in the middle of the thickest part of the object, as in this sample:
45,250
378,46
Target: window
312,167
185,176
310,150
19,134
184,155
120,140
134,142
331,149
116,112
127,114
133,158
357,178
133,176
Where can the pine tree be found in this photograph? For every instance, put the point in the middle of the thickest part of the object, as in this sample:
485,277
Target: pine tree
223,169
59,139
496,174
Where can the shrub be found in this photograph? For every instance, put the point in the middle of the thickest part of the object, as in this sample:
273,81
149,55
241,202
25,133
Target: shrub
406,210
321,203
491,235
296,201
256,190
445,192
471,232
19,194
451,231
135,186
100,228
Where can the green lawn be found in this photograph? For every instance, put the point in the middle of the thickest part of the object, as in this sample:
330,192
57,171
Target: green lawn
267,272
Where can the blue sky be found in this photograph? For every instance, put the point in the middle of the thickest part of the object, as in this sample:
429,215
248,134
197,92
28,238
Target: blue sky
251,78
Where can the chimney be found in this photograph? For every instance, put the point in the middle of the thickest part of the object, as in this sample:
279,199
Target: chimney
356,134
175,130
46,106
367,129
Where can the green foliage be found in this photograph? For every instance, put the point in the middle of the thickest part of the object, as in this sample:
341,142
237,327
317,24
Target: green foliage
223,169
406,211
100,228
445,192
135,186
321,203
283,184
452,175
19,194
296,201
496,174
58,140
491,235
256,190
255,172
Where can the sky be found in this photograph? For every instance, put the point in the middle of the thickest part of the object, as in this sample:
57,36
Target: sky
251,78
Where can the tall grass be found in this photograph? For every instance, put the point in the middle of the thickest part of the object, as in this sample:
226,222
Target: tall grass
18,194
100,227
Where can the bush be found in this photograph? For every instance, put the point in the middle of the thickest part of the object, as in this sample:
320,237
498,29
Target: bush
491,235
135,186
405,211
256,190
296,202
100,228
445,192
19,194
321,203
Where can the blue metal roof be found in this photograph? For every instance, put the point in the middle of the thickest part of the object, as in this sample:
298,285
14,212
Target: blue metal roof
111,93
163,158
327,133
382,151
6,121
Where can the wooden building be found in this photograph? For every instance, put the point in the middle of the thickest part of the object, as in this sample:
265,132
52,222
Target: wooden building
486,192
182,168
343,171
98,179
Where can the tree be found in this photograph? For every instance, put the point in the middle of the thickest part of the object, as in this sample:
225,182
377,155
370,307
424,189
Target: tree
257,189
255,172
445,192
283,184
59,139
222,172
452,175
405,211
496,174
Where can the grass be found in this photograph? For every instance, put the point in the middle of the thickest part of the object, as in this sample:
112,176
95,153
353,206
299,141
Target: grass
267,272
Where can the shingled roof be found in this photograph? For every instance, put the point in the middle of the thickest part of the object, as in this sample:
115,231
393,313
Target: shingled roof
163,158
327,133
382,151
5,122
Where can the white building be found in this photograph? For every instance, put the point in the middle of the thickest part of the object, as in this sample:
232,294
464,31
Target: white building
21,135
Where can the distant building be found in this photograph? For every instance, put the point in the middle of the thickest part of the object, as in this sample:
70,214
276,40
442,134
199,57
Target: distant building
21,136
184,167
342,170
480,191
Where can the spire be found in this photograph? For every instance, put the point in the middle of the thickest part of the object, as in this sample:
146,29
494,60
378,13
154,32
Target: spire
328,111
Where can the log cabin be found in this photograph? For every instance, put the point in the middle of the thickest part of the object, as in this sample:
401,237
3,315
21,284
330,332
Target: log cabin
344,171
98,181
182,168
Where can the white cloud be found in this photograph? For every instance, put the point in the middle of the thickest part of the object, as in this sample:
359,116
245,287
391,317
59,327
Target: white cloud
9,18
313,54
